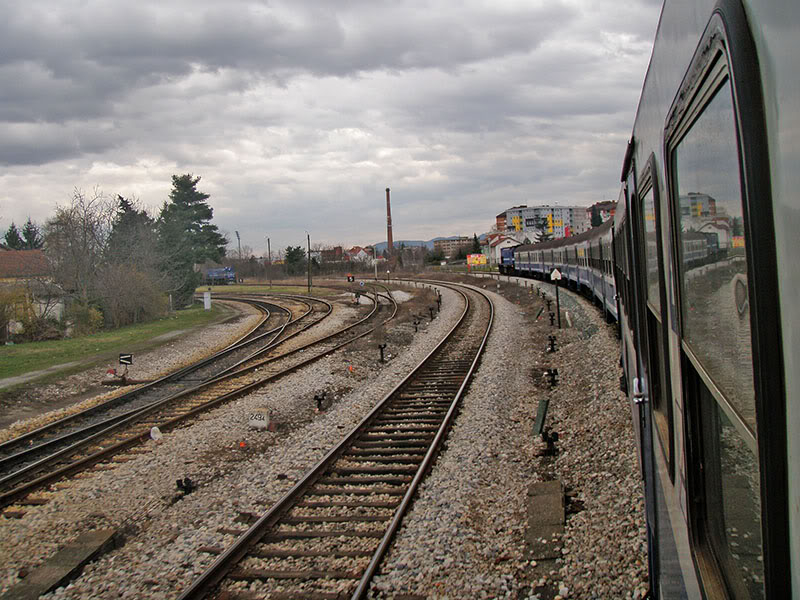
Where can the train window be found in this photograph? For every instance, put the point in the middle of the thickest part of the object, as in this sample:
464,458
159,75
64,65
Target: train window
651,251
715,327
712,243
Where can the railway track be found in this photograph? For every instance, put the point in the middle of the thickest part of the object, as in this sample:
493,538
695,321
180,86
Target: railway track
75,451
326,537
16,453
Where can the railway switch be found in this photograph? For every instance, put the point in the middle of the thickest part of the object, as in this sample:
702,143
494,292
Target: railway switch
552,375
382,347
551,343
552,318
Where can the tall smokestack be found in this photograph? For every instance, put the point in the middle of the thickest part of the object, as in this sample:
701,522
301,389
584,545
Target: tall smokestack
389,241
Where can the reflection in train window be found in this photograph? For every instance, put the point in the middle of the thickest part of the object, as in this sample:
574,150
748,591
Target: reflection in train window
716,319
716,332
651,250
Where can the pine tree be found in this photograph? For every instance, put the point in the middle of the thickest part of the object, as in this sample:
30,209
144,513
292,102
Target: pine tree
186,236
13,239
597,218
476,245
32,235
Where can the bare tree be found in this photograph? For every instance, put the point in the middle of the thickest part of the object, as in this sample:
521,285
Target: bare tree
75,239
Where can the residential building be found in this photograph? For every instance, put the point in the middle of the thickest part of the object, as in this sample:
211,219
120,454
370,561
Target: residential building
25,280
556,221
493,244
449,247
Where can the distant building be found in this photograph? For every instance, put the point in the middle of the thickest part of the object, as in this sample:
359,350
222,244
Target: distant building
334,254
556,221
449,247
358,253
25,279
493,244
605,209
500,221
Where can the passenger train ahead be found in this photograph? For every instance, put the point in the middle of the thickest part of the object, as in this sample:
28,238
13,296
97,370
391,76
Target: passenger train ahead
700,268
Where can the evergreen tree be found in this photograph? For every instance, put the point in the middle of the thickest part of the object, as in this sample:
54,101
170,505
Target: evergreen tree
32,236
476,245
186,236
13,239
597,218
295,260
544,229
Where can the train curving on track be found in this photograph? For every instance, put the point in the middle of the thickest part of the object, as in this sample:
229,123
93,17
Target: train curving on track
697,267
326,537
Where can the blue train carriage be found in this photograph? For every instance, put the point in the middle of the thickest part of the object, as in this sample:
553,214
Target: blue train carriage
584,260
705,243
220,276
506,266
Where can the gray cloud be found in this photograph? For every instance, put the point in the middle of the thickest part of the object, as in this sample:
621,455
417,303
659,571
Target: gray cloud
298,115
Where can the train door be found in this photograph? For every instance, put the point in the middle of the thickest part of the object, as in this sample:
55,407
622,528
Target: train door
654,338
730,361
641,414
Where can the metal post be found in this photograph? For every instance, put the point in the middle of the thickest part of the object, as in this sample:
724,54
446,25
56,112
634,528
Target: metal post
308,237
269,263
558,307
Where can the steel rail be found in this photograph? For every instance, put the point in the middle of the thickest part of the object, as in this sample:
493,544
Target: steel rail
248,339
81,464
116,400
219,569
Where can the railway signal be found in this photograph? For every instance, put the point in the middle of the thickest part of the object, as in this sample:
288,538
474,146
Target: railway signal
555,276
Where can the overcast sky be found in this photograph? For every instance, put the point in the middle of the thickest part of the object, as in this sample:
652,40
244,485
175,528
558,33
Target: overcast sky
298,114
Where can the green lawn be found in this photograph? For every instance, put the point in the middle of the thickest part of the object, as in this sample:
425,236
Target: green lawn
24,358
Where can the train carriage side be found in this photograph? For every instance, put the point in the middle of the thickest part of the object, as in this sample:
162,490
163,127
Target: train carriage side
703,244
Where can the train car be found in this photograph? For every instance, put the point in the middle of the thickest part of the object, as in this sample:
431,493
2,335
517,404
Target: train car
584,261
704,259
506,266
220,276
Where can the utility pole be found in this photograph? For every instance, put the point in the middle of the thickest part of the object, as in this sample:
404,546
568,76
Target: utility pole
308,236
239,241
269,263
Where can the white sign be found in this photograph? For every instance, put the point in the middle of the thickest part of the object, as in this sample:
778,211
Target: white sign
555,275
207,300
258,418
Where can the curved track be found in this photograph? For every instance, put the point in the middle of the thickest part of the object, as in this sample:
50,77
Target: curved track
99,441
326,537
17,453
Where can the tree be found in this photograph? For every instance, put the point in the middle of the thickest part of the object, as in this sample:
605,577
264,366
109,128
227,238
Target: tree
295,260
32,236
130,282
597,218
75,240
186,236
544,229
476,245
12,238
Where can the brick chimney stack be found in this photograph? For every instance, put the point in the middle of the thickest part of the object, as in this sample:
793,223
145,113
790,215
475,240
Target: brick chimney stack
389,241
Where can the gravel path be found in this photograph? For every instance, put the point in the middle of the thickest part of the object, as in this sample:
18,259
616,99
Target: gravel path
464,535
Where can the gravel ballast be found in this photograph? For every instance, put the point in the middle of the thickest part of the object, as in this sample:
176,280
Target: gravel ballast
464,535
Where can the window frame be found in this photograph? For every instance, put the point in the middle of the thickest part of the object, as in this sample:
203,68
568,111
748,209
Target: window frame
727,51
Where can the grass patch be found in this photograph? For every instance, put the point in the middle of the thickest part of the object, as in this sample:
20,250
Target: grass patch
34,356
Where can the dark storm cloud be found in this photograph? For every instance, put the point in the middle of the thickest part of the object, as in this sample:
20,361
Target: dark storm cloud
462,110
